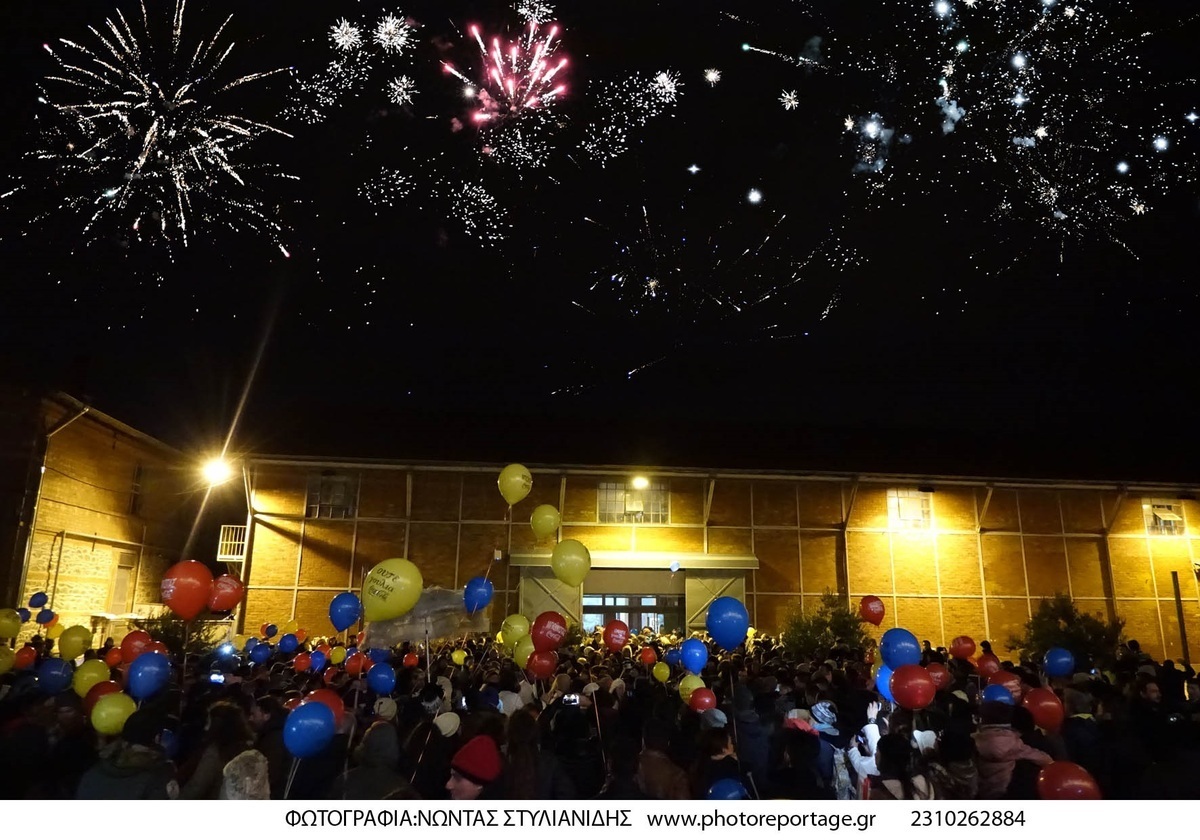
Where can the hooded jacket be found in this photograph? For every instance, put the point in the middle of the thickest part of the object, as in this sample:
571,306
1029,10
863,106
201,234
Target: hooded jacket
1000,748
377,775
130,771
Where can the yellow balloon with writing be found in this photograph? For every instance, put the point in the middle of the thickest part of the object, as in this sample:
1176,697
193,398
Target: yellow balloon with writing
689,684
514,482
74,641
458,657
661,672
544,521
392,588
87,675
514,628
522,650
111,711
571,561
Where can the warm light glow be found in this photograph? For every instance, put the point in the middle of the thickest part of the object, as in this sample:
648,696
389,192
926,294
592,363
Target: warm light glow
641,483
217,471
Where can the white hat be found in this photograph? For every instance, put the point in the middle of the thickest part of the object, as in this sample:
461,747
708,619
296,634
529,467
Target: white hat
447,723
591,688
617,686
510,702
447,692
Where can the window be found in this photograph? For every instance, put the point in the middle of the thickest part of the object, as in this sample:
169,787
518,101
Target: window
619,502
909,508
330,496
120,599
135,493
661,613
1163,516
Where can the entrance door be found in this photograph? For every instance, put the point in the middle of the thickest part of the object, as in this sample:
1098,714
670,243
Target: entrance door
661,613
704,587
542,592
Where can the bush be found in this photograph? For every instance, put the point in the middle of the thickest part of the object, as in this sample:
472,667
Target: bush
170,629
812,636
1057,622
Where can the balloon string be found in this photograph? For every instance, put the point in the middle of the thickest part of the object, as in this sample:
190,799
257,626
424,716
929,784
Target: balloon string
733,700
421,755
291,777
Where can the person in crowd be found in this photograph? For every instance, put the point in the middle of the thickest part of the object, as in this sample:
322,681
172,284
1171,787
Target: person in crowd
533,773
227,735
898,777
476,771
659,777
375,774
134,766
1000,748
266,719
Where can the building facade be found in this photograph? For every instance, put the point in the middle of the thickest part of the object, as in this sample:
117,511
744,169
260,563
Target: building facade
99,512
948,556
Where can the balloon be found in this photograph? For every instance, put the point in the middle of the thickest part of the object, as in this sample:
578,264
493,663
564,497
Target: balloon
111,711
38,600
344,610
54,676
1058,662
46,617
542,664
672,657
998,694
260,653
392,588
544,521
317,660
522,650
1009,680
25,658
727,789
571,561
337,655
358,640
294,703
269,631
379,655
302,662
148,675
169,743
287,643
871,609
330,699
940,675
185,588
411,660
22,613
963,647
10,624
548,631
693,655
883,683
225,594
87,675
291,626
382,678
515,627
727,622
701,699
250,643
689,684
1066,780
899,647
7,658
1046,708
96,692
331,675
54,631
987,665
308,729
514,482
647,655
616,635
912,687
661,672
355,663
324,648
113,658
477,594
458,657
301,635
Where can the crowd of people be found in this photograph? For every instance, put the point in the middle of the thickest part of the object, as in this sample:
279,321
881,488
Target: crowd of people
604,727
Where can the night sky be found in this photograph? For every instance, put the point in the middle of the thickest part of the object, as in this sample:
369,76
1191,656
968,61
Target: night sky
903,296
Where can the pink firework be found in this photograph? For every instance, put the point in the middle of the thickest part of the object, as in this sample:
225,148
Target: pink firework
517,76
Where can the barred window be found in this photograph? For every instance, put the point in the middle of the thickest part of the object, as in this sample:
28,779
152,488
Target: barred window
330,496
909,508
620,502
1164,517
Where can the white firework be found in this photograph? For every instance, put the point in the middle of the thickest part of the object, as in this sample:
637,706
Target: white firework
346,36
667,84
388,188
789,100
401,90
532,11
712,75
393,34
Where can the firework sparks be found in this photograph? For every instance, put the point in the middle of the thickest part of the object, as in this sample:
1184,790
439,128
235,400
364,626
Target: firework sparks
712,75
345,36
516,77
627,106
789,100
401,90
393,34
533,11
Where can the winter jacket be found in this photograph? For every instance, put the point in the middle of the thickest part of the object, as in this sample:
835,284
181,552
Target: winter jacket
886,789
377,775
661,778
864,765
1000,747
955,779
130,771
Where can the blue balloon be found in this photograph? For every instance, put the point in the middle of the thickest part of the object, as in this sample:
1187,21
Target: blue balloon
45,616
148,675
169,741
288,643
271,631
344,610
251,643
727,789
672,657
727,622
382,678
1058,662
260,653
899,647
883,683
477,594
308,729
38,600
379,655
693,655
24,614
998,694
54,676
316,660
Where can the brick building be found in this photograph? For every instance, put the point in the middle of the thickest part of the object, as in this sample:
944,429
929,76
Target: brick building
947,555
98,511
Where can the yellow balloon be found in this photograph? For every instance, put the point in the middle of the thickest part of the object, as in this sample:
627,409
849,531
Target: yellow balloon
75,640
458,657
393,588
514,482
662,672
291,627
55,631
750,631
10,623
337,655
522,650
514,628
544,521
499,637
111,711
6,659
689,684
571,561
87,675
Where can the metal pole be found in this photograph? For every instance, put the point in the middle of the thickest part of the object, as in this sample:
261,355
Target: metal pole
1187,659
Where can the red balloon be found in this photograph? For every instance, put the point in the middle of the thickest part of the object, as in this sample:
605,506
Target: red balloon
225,594
355,663
912,686
1046,708
548,631
987,664
648,656
701,699
940,675
113,658
158,647
302,662
324,648
411,660
1066,780
262,630
1009,680
871,609
96,692
24,658
331,674
293,703
301,635
185,588
542,664
330,698
134,645
50,622
616,635
362,634
963,647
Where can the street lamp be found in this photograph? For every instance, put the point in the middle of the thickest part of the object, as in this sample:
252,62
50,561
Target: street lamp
641,482
217,471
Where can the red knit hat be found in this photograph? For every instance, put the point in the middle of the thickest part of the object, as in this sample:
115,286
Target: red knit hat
478,760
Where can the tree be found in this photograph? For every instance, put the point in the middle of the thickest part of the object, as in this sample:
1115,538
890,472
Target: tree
807,636
171,630
1057,622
